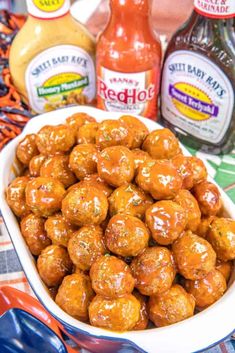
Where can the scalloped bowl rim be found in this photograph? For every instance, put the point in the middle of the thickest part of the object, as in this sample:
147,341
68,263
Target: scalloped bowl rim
220,317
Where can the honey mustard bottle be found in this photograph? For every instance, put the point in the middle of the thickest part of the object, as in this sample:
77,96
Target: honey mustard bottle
198,79
52,58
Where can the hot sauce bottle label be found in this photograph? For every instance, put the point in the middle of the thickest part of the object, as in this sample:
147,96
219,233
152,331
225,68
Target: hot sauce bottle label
59,76
134,93
215,8
48,8
197,96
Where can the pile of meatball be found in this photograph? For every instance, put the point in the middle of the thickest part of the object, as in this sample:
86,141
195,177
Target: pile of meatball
126,231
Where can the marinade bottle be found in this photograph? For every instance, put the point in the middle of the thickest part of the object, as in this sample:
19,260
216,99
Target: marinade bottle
198,79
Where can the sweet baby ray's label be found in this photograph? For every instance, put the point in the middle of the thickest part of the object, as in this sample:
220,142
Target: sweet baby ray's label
60,76
197,96
134,93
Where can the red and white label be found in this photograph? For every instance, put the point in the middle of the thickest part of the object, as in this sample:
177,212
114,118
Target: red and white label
215,8
134,93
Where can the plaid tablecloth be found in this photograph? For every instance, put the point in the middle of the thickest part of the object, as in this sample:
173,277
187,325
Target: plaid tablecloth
223,171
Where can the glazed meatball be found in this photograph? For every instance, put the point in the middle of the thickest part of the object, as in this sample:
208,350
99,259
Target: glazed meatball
111,277
87,133
139,158
113,133
51,140
95,181
221,235
160,178
208,198
185,170
204,226
165,180
117,314
225,268
144,318
57,167
85,246
35,165
137,128
172,306
59,230
166,221
116,165
44,195
207,290
126,235
15,195
198,169
53,265
161,144
74,295
153,270
77,120
75,186
193,255
143,178
83,160
193,214
129,199
27,149
34,233
85,206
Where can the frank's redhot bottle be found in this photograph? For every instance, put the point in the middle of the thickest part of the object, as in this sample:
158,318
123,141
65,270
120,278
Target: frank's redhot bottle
128,61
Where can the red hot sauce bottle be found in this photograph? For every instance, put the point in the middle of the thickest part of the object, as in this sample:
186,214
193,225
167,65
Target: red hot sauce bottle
198,79
128,61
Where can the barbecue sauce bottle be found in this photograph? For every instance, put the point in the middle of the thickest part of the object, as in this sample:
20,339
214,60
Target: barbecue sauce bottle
198,79
128,60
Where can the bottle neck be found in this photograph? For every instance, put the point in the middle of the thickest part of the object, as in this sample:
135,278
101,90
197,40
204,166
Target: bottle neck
125,8
220,9
48,9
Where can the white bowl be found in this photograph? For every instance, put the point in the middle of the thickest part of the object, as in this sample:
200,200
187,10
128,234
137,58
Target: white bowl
193,334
